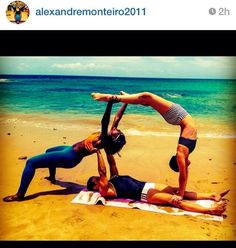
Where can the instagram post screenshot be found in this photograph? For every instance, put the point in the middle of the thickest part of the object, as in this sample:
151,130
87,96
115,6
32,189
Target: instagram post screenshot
118,122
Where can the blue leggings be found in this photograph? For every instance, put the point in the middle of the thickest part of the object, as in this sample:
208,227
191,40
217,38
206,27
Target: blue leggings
56,157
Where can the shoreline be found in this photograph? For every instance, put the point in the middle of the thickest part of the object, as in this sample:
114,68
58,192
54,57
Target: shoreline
134,125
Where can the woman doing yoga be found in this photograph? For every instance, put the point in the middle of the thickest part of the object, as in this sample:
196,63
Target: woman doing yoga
69,156
174,114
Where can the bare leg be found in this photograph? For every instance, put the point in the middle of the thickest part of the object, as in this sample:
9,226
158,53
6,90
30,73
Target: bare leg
161,198
207,196
125,98
144,98
190,195
193,207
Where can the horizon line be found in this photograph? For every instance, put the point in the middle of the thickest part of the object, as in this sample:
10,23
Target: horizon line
130,77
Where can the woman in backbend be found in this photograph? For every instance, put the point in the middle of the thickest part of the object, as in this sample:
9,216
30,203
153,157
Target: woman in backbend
174,114
69,156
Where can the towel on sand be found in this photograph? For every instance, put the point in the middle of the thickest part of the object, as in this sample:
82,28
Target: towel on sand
92,198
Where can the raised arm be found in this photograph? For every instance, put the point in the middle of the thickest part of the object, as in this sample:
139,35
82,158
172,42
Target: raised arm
112,164
106,119
118,116
183,170
103,181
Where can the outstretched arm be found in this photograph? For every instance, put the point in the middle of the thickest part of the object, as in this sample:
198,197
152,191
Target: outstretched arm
112,164
183,170
103,181
118,116
106,119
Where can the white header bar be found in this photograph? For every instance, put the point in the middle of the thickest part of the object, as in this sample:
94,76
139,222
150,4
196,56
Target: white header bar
119,15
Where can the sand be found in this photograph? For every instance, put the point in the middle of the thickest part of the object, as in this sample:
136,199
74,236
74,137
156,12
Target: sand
48,213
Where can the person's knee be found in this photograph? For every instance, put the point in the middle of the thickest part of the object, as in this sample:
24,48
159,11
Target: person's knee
145,97
30,163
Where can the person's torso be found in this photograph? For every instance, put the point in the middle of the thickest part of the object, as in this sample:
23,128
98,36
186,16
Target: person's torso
127,187
80,149
188,128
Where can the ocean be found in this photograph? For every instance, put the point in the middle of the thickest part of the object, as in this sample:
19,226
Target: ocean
207,99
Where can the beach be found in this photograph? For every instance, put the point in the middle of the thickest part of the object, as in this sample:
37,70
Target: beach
48,214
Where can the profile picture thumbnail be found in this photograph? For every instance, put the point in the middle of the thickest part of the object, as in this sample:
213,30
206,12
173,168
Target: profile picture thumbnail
17,12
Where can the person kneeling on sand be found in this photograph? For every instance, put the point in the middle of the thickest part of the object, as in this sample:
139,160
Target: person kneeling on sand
69,156
154,193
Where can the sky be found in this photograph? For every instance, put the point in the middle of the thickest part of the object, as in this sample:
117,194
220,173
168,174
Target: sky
147,66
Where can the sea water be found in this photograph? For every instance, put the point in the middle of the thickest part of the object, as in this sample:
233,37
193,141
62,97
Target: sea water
70,96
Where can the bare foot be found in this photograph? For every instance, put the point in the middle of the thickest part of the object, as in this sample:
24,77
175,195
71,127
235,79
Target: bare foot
11,198
217,197
101,97
224,192
123,93
218,209
94,95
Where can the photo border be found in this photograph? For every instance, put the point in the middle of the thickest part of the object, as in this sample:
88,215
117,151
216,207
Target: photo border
118,43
